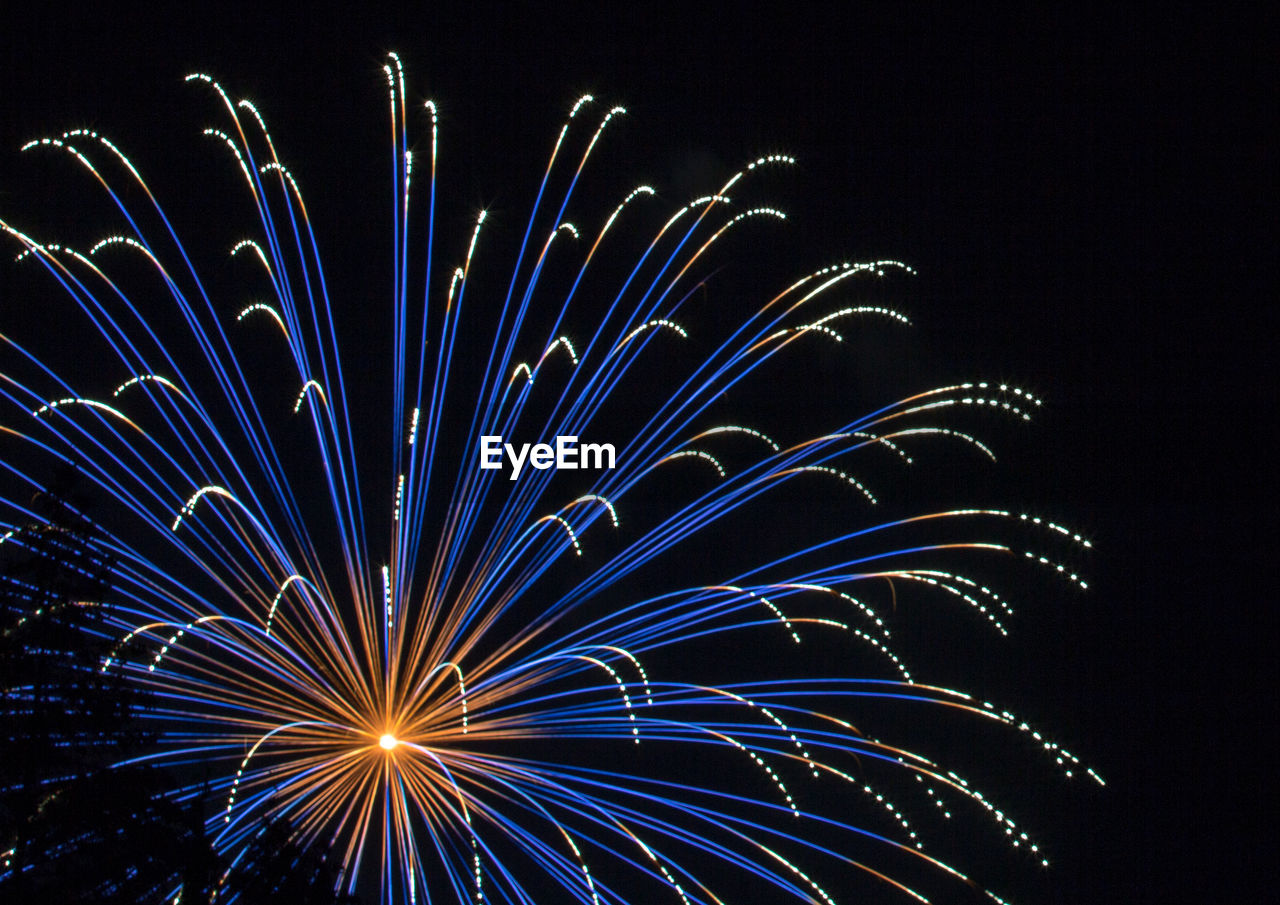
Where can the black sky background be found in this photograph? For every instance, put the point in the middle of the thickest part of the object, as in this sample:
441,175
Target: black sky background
1083,195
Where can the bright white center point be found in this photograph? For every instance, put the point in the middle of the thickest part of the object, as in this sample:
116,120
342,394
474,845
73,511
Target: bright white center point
388,741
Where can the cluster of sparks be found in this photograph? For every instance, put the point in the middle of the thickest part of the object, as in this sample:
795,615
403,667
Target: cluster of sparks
400,707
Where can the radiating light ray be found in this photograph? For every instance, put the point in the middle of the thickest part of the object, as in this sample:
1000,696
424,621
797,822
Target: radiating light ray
257,251
89,403
773,607
735,428
659,322
697,454
148,378
269,311
622,690
302,394
867,611
799,745
596,498
577,548
1059,568
826,469
127,241
189,506
530,373
396,657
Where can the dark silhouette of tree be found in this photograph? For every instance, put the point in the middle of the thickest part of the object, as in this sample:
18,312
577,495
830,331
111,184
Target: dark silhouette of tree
79,823
63,716
275,868
111,837
73,827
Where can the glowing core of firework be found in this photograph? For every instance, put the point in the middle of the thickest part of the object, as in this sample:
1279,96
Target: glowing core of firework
388,742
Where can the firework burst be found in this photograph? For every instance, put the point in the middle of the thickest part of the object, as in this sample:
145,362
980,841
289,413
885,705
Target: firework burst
471,666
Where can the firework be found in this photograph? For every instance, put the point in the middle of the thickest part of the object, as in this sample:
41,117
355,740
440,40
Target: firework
472,644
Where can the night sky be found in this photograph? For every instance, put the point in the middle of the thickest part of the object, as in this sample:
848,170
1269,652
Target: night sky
1082,196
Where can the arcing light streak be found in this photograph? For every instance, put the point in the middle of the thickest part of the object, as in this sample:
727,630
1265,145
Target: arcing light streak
401,661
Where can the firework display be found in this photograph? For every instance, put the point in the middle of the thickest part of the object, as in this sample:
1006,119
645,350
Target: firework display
531,623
